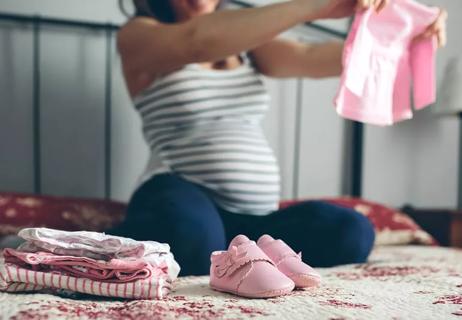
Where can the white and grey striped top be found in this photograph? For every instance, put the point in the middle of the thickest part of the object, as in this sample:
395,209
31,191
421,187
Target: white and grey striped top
204,125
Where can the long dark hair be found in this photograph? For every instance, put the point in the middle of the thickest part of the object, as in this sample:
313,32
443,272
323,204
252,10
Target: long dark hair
159,9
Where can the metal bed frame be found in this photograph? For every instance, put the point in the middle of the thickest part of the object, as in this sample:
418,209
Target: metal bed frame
352,176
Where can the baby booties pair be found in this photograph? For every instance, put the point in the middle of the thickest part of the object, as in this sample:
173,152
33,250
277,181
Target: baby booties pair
265,269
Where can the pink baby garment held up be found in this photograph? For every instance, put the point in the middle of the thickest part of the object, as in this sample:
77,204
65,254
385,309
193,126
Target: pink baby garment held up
381,63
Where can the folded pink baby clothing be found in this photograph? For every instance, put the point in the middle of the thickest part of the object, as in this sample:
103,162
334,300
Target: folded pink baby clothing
88,263
98,246
114,270
381,61
14,278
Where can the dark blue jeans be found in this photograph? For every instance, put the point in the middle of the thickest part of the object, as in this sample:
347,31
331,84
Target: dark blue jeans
170,209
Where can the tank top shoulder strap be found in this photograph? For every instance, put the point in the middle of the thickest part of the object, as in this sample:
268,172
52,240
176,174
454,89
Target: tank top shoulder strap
246,59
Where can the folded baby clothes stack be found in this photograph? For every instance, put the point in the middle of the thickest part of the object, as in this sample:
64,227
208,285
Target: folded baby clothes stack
88,262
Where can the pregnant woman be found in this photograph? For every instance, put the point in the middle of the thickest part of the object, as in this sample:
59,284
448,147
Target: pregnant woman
195,75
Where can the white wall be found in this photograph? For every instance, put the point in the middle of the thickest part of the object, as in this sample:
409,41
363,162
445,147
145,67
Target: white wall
413,162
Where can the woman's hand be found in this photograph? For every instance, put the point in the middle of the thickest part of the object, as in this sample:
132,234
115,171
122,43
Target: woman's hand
437,29
332,9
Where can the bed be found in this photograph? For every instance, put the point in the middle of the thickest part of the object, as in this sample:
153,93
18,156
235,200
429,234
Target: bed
402,280
398,282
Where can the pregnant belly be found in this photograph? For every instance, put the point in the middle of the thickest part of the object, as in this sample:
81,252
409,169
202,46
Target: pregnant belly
239,170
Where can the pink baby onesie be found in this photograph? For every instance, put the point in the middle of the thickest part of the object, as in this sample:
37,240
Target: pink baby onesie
16,278
114,270
381,62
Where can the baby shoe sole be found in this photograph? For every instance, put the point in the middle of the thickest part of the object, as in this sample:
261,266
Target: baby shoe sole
261,295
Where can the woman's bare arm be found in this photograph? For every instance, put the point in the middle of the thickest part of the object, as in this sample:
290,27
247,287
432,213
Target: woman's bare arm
284,58
149,47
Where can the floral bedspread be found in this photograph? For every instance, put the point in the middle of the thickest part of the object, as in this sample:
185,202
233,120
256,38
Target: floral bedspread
406,282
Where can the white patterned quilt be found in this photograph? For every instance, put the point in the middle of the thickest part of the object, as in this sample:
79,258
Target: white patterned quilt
406,282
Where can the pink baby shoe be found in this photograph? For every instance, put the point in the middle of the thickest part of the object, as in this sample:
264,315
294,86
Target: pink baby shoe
288,262
245,270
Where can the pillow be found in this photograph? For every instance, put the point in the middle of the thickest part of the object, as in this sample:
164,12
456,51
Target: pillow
392,227
18,211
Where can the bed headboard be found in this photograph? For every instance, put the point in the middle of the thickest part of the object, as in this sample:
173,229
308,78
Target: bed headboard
353,148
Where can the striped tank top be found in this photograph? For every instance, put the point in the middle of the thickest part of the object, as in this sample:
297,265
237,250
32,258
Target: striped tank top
204,126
